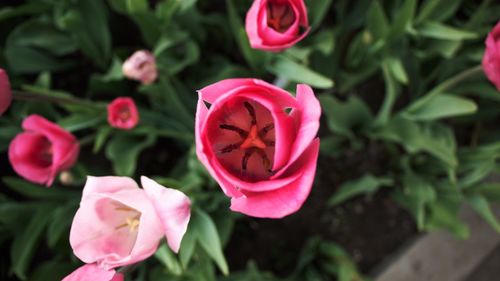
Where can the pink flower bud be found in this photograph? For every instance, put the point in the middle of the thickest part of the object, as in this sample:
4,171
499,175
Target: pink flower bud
141,66
43,150
123,114
92,272
263,157
275,25
491,59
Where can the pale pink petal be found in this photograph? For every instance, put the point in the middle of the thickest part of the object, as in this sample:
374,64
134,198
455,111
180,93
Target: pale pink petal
173,209
92,272
105,185
284,201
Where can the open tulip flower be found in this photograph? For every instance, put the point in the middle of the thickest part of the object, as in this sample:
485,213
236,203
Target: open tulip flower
119,224
491,59
259,143
275,25
42,151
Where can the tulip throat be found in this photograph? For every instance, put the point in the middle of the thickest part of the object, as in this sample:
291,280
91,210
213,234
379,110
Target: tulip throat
280,15
253,140
132,221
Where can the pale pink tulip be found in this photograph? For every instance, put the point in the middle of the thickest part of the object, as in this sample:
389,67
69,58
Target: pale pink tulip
123,113
259,143
141,66
275,25
119,223
42,151
92,272
491,59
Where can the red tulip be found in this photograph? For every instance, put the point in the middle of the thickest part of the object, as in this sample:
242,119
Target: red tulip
5,92
123,114
491,59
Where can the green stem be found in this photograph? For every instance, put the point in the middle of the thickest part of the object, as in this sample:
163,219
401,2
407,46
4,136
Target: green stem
390,97
446,85
39,97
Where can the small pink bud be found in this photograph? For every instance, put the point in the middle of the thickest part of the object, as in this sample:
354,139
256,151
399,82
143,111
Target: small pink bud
123,114
141,66
5,92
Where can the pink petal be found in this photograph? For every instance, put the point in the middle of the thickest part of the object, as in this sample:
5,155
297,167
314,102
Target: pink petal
106,185
173,209
5,92
92,272
308,114
284,201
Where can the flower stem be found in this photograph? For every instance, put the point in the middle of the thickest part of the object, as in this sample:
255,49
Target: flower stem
39,97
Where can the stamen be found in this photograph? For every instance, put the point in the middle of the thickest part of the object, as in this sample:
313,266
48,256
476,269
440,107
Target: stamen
251,111
229,148
236,129
266,129
244,160
265,161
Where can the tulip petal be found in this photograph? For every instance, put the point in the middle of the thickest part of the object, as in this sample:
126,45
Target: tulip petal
5,92
173,209
92,272
284,201
106,185
307,115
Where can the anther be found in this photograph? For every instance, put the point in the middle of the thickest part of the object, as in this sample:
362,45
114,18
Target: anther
251,111
236,129
266,129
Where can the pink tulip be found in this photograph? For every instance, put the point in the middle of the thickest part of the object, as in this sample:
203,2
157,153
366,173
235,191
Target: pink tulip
123,114
491,59
141,66
43,150
275,25
92,272
5,92
119,224
263,157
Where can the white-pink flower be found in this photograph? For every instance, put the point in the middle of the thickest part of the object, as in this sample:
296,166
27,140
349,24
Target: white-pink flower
119,223
92,272
141,66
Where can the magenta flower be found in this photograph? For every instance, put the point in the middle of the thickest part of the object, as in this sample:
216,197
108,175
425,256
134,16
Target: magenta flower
275,25
141,66
5,92
119,223
92,272
123,114
263,157
42,151
491,59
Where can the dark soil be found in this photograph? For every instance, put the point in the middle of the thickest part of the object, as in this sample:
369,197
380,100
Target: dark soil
369,229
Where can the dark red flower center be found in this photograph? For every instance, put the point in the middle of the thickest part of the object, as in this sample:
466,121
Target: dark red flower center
244,140
280,15
43,152
124,114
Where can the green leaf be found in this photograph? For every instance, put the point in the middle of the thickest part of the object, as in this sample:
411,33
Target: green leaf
397,69
24,245
403,19
187,247
433,138
208,237
102,135
440,106
31,8
376,21
345,117
317,11
52,270
60,222
285,67
367,184
35,191
123,150
440,31
78,122
168,259
482,207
